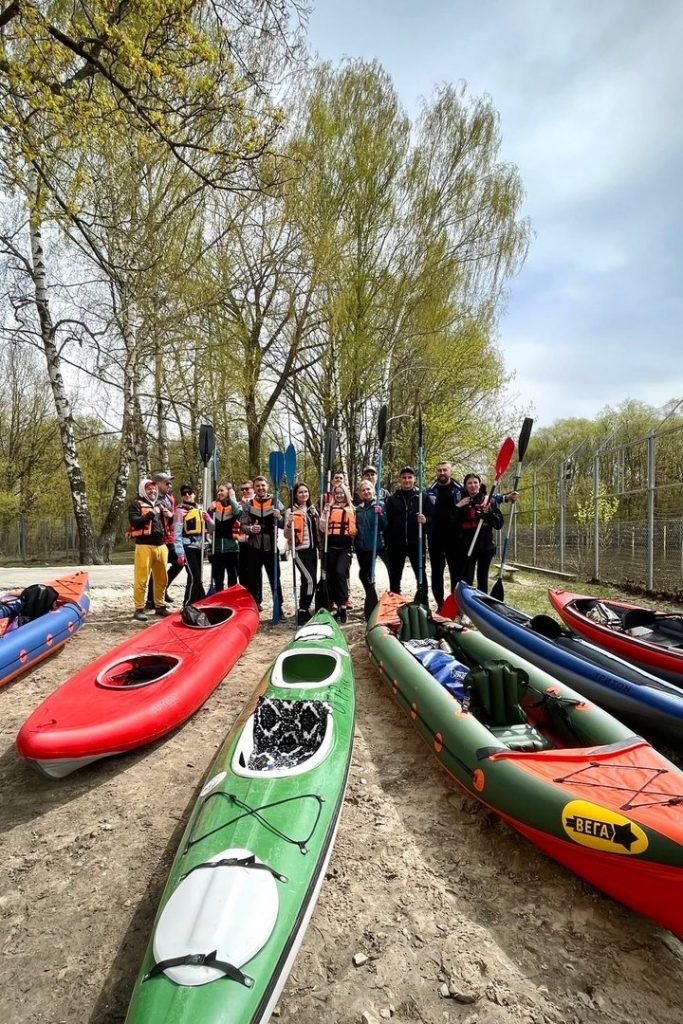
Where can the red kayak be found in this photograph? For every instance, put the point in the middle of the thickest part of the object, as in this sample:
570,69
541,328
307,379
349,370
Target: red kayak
144,688
653,640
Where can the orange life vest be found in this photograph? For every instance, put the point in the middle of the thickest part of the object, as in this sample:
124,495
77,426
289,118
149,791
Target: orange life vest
141,531
223,513
298,523
341,522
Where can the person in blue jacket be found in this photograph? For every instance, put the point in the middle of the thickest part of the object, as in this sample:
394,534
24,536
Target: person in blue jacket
370,516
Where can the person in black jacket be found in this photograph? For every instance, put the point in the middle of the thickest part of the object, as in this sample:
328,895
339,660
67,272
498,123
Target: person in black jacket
402,510
469,512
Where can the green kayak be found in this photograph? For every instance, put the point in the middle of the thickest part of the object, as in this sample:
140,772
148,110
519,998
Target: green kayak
561,771
253,857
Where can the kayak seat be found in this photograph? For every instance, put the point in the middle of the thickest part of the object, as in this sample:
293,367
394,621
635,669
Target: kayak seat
520,737
286,733
547,626
636,617
495,690
416,623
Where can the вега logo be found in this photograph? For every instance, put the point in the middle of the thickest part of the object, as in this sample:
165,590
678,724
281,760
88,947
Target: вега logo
602,829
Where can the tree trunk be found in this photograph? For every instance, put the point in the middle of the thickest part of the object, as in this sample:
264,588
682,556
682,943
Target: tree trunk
254,433
87,544
159,384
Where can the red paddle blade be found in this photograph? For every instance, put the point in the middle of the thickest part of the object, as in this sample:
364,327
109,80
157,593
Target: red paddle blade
504,459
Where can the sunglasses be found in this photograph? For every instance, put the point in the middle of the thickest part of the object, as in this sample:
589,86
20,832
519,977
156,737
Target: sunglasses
245,488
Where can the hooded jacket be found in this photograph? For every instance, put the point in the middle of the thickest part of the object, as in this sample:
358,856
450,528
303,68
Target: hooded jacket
146,527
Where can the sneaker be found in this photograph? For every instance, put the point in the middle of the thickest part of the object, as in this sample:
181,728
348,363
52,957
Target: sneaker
139,615
302,617
167,598
342,615
149,605
283,617
162,612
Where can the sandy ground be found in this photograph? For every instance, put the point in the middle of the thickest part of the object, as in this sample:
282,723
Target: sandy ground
425,882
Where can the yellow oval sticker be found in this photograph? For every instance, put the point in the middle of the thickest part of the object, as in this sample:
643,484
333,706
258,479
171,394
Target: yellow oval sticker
602,829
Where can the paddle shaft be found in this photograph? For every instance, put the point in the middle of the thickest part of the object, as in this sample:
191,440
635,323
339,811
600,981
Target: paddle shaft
381,436
290,473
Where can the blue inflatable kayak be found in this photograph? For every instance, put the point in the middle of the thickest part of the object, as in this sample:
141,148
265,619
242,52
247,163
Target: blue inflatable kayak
630,693
39,620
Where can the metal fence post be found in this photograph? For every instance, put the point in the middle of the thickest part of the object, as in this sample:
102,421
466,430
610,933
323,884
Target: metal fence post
596,515
563,492
651,448
534,515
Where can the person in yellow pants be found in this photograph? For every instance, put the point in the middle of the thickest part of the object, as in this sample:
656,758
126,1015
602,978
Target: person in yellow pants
151,554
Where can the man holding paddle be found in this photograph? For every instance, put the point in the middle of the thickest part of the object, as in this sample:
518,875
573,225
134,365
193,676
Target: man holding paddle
258,524
404,534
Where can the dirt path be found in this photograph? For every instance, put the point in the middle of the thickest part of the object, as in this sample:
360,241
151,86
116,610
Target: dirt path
425,882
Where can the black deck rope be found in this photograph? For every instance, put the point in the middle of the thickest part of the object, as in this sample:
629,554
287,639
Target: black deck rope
256,812
643,790
237,862
201,960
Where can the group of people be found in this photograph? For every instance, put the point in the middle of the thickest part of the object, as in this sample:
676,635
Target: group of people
171,536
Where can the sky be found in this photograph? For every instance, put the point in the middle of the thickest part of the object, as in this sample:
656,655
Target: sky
590,95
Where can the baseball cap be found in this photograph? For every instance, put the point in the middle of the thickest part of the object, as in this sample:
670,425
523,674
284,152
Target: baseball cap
162,478
369,469
407,469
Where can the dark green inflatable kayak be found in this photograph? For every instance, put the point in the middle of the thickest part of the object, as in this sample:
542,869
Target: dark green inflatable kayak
564,773
253,857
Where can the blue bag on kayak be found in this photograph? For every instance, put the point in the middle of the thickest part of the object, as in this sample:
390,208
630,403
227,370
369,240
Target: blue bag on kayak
446,669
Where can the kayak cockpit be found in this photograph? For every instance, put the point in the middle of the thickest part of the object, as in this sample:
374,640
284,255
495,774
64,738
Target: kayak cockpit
216,616
283,738
307,669
136,670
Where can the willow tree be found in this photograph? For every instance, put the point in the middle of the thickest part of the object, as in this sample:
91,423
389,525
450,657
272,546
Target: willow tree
415,229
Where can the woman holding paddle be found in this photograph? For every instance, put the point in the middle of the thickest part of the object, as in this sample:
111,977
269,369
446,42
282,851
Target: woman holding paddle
302,520
474,514
338,523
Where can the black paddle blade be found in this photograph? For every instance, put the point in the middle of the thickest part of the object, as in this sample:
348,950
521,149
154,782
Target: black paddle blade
330,448
524,435
370,603
207,442
382,425
498,590
322,596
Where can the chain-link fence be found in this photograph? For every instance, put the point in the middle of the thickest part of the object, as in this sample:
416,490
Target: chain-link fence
32,538
613,514
25,538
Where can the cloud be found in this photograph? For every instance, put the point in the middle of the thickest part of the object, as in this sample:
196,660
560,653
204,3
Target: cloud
589,97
